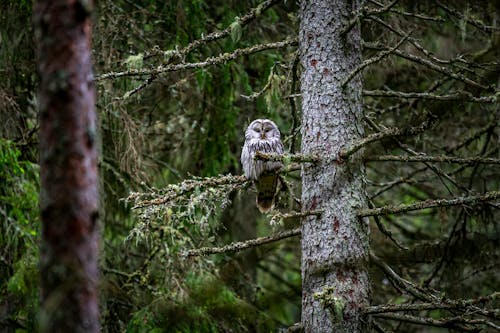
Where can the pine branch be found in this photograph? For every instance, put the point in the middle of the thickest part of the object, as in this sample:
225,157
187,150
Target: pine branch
457,96
212,61
239,246
488,196
439,159
242,21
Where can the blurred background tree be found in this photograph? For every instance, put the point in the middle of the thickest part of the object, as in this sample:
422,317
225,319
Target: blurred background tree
177,114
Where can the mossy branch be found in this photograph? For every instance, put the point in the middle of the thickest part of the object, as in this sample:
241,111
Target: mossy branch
437,159
286,158
239,246
212,61
386,210
455,96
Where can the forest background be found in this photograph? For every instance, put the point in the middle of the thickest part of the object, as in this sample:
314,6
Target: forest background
173,101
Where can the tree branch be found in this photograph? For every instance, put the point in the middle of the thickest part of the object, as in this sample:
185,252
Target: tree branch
439,159
239,246
373,60
299,158
187,186
242,21
212,61
488,196
390,132
447,304
457,96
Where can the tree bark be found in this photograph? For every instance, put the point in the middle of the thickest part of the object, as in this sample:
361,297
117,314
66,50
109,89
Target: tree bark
335,284
69,195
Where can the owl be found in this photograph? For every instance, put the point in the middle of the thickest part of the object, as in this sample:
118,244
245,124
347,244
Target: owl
264,136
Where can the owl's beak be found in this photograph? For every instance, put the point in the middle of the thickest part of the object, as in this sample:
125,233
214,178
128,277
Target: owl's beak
263,136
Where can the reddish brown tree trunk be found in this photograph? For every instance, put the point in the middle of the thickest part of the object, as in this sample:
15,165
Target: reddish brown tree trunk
68,165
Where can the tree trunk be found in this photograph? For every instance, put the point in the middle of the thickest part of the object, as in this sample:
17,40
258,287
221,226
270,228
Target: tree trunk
335,284
69,195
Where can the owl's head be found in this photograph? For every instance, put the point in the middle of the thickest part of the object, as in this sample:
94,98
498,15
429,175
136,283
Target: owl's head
262,129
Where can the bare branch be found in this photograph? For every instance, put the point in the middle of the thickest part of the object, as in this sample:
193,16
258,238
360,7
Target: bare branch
444,322
373,60
390,132
468,19
365,12
458,96
414,15
446,304
433,66
488,196
439,159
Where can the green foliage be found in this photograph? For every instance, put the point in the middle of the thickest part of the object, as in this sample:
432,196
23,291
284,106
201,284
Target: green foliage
19,231
204,304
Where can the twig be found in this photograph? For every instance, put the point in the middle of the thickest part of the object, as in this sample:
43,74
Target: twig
426,158
488,196
390,132
458,96
402,283
474,136
415,15
383,230
467,19
365,12
370,61
212,61
431,65
239,246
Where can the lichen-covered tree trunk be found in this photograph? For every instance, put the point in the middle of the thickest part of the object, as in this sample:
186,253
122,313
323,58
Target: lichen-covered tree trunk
335,281
68,167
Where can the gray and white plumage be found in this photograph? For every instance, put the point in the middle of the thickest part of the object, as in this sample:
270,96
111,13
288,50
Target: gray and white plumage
262,135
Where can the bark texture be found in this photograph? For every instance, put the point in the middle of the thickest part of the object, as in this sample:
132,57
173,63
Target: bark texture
68,160
334,244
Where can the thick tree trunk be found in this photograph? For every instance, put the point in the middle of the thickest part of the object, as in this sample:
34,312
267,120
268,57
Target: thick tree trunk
335,281
68,166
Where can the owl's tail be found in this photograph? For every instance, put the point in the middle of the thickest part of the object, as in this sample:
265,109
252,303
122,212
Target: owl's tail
267,185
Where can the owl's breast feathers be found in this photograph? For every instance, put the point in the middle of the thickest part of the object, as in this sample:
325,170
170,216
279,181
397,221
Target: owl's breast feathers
272,145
